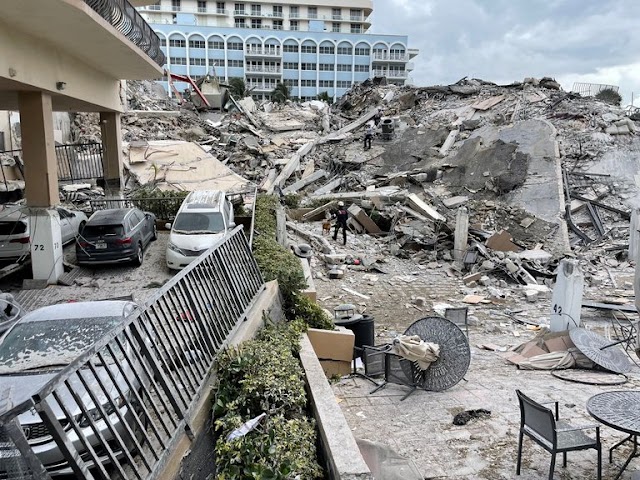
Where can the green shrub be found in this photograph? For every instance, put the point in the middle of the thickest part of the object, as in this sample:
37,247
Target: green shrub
310,312
265,222
163,204
263,375
292,200
610,96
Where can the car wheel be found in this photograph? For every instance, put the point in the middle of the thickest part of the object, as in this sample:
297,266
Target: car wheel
154,235
139,255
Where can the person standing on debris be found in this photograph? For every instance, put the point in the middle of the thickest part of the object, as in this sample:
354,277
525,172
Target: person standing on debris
368,135
341,216
378,116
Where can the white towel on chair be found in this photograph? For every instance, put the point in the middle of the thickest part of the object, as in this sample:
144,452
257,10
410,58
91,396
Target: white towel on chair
413,348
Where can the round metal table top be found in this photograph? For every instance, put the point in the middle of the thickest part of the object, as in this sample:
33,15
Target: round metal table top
619,409
455,355
591,344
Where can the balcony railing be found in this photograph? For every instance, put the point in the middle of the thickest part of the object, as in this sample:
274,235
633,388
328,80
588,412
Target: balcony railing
263,69
124,18
173,9
390,73
269,52
393,57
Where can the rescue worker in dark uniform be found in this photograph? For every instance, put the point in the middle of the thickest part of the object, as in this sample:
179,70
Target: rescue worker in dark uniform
341,215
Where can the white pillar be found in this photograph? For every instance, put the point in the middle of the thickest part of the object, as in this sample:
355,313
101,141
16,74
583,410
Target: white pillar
634,236
566,302
46,245
461,235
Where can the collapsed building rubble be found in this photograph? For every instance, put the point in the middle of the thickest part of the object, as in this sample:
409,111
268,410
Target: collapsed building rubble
539,173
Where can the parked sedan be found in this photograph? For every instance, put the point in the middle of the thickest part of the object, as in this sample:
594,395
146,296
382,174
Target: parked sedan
15,230
116,235
39,346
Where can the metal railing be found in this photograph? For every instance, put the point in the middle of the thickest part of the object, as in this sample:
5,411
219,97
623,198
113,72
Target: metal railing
124,18
592,89
79,161
122,406
268,52
76,162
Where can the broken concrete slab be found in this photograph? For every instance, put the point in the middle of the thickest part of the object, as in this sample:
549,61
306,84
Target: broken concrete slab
304,181
422,207
363,219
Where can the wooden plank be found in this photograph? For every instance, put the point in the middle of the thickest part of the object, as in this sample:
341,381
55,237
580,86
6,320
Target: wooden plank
610,306
488,103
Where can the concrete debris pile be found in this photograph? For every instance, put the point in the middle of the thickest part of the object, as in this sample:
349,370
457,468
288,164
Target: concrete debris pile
492,179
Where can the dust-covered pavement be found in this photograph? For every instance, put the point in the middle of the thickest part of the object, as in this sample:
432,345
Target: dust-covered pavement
420,428
100,282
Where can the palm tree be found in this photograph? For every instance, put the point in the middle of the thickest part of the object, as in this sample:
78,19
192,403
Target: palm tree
238,88
324,96
280,94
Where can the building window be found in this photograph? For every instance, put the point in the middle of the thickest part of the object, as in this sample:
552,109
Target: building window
199,62
336,13
308,49
277,11
238,9
343,67
290,48
335,27
361,51
202,6
294,12
217,45
356,15
313,12
345,51
178,61
326,83
177,43
240,23
175,5
215,62
235,46
326,67
343,84
256,10
277,24
361,68
293,25
356,28
155,6
256,23
308,83
235,63
163,42
290,66
220,7
290,82
327,50
308,66
197,44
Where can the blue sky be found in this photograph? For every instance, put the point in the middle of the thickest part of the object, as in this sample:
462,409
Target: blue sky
507,40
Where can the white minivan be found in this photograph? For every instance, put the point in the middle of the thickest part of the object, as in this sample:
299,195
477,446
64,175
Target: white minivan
203,218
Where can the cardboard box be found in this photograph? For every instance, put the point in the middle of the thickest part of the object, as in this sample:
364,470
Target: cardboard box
334,368
332,344
531,349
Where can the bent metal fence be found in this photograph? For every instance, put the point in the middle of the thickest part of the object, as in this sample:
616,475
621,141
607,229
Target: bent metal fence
120,408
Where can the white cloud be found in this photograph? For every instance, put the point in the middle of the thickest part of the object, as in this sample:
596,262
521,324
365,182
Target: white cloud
507,40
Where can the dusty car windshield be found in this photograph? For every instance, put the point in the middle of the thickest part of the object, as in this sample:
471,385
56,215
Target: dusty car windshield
48,343
201,222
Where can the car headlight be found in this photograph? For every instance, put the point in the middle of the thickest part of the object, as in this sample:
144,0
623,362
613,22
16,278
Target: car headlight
94,413
175,248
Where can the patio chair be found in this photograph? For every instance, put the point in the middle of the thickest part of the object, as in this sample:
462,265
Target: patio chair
458,315
544,427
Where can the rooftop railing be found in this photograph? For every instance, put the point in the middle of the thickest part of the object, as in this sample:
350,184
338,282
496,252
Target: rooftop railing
124,18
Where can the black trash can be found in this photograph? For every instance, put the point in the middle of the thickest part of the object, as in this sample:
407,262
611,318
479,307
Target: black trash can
362,327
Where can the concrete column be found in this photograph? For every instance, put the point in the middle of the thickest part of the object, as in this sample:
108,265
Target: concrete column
41,169
566,301
461,235
634,236
46,245
112,151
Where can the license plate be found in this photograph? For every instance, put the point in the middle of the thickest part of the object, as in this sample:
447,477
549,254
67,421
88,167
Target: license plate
101,246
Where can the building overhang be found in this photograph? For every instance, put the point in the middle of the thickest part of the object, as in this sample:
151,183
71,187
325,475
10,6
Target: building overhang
73,27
